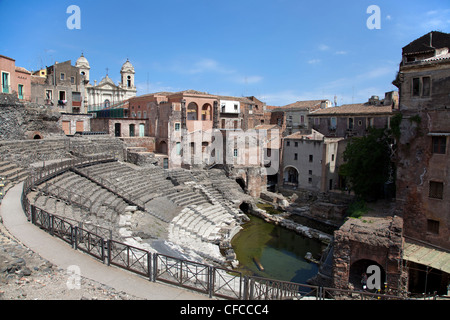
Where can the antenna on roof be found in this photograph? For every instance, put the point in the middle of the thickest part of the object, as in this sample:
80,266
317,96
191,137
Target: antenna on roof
353,93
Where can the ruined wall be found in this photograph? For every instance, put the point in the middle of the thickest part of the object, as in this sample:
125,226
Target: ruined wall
19,121
380,242
419,167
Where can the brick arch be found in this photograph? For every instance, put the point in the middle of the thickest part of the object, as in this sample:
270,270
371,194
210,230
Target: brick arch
359,267
192,111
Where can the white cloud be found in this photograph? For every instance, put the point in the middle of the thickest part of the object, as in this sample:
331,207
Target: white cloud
324,47
144,88
436,20
208,65
249,79
314,61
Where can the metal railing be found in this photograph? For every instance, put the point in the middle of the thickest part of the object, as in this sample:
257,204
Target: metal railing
211,280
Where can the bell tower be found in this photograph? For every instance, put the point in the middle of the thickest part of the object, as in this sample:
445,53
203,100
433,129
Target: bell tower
127,75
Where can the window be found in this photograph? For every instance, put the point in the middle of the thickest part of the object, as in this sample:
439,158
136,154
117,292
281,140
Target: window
416,87
20,91
288,143
436,190
350,123
72,80
178,148
310,172
48,94
421,87
310,158
177,126
235,107
333,123
302,119
433,226
296,143
309,180
76,96
439,144
62,95
5,82
235,152
332,157
62,76
295,156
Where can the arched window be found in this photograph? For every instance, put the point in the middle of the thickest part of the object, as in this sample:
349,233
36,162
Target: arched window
107,103
128,81
206,112
192,111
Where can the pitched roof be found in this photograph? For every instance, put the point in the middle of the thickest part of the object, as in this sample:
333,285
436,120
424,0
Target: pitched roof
353,109
428,43
305,105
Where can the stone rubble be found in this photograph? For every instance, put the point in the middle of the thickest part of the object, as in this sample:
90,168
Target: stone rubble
24,275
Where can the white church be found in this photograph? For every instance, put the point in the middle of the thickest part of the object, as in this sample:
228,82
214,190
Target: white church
106,93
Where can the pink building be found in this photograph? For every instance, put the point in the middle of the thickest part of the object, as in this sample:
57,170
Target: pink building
14,79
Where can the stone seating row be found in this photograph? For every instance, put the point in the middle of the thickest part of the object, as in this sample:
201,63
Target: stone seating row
11,174
203,227
25,152
74,188
187,197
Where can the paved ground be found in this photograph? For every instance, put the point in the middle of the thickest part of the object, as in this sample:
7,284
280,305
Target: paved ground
26,250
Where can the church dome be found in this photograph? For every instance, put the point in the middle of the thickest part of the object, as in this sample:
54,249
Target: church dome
127,67
82,62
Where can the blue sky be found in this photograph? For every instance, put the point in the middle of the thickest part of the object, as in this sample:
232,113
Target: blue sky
280,51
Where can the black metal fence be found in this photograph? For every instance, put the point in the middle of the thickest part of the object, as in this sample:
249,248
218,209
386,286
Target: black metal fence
213,281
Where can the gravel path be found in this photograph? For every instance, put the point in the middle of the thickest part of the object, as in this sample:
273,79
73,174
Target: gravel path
24,275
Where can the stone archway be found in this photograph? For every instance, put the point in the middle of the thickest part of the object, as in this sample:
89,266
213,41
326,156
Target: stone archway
290,175
359,268
241,183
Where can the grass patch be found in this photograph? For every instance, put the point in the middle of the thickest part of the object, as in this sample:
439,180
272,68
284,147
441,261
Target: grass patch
357,209
268,208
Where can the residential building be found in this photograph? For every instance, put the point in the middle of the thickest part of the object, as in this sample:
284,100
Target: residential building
294,117
14,79
354,119
423,162
423,188
62,88
310,161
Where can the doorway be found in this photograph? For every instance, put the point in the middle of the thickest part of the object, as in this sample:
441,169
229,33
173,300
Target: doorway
117,129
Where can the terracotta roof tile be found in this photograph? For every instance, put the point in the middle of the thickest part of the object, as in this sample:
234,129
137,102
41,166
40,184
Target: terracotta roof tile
357,108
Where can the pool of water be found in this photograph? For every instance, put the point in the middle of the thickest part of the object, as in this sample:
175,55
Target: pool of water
280,251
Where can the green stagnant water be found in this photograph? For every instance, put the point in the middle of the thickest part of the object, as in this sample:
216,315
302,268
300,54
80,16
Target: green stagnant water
280,251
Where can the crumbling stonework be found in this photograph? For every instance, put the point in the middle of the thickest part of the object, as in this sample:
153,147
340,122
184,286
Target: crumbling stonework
20,121
378,241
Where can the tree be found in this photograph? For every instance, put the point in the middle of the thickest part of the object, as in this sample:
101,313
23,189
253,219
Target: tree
368,164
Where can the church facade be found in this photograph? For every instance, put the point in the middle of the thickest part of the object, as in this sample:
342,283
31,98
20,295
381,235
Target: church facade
106,93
